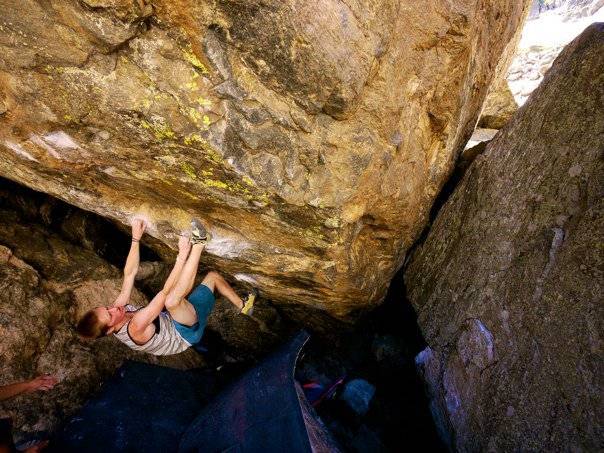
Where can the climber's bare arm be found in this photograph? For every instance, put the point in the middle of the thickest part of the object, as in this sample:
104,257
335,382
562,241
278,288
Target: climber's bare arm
141,327
132,262
43,383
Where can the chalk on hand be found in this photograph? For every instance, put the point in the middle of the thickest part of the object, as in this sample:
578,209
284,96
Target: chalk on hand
149,225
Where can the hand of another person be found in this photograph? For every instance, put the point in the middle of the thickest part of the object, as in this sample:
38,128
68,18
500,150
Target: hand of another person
138,228
184,246
42,383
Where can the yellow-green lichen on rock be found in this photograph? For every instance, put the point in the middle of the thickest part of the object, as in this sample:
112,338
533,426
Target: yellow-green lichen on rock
192,58
328,147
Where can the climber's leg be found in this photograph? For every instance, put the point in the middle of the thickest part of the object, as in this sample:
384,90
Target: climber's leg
202,301
216,282
180,308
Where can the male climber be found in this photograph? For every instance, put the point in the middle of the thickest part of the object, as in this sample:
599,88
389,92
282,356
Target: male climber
151,329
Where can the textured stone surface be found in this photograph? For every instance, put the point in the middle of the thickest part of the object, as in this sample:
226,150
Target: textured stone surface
498,107
479,136
508,284
311,137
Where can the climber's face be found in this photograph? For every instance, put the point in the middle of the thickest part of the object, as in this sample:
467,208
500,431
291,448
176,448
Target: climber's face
111,316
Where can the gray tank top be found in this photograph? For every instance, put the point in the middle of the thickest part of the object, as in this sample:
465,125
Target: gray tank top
165,341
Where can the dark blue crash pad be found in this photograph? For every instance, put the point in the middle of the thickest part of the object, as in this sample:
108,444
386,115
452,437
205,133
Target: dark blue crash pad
147,408
144,408
263,411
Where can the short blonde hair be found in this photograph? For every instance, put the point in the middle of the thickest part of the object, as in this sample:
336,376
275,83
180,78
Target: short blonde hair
90,326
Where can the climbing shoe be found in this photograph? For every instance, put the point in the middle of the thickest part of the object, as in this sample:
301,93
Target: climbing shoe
199,235
248,304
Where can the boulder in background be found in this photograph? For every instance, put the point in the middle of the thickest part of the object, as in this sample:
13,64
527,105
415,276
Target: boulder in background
508,284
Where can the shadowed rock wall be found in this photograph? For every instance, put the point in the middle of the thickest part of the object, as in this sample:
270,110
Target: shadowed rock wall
508,284
310,137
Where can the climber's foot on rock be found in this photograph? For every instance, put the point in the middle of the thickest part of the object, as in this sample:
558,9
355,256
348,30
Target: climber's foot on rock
248,303
199,235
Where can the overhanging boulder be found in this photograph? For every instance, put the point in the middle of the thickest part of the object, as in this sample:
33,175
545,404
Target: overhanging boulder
311,137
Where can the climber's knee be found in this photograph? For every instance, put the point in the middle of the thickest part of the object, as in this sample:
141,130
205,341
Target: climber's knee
172,301
210,279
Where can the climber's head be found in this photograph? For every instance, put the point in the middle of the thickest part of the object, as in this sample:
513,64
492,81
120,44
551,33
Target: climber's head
100,321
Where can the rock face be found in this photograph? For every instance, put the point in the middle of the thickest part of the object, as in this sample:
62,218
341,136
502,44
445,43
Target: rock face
508,284
310,137
499,106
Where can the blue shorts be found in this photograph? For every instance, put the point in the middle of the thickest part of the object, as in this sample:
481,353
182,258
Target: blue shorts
202,299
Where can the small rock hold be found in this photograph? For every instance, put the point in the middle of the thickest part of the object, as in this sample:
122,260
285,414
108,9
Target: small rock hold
575,170
397,138
332,222
476,345
561,220
147,10
5,254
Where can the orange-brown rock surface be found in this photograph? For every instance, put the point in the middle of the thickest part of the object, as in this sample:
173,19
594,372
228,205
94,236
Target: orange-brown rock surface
499,106
310,137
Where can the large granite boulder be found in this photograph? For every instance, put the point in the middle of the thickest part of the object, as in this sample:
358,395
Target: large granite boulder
508,284
310,137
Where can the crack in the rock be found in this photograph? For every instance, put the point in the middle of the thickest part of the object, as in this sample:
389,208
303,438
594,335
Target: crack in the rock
557,241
